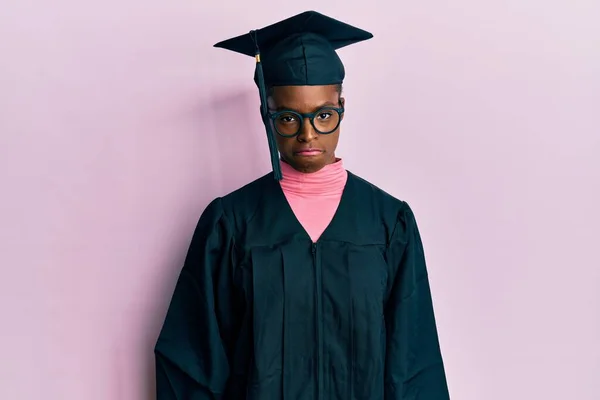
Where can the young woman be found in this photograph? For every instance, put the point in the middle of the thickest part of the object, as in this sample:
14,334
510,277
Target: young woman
308,283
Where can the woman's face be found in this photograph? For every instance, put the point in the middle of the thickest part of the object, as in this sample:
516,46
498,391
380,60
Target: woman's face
309,151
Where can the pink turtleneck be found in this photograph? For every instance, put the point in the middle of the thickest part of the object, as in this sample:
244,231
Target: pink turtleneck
314,197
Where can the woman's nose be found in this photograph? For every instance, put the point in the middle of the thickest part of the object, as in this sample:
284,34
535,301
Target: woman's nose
307,132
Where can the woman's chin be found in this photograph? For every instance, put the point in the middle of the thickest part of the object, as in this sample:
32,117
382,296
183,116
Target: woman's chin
307,165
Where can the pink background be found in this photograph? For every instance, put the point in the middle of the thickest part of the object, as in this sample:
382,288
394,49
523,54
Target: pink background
119,122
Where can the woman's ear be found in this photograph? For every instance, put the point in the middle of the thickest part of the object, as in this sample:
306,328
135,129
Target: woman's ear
343,104
271,103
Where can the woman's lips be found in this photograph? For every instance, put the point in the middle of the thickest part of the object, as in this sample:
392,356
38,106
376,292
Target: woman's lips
309,152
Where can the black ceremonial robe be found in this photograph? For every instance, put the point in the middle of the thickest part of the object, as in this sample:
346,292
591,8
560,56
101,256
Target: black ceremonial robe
260,312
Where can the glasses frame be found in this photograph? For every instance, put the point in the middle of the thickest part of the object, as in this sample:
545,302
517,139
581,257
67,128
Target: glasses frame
303,116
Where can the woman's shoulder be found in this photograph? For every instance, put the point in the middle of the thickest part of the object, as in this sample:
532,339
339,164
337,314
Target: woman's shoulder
373,194
395,214
251,189
243,202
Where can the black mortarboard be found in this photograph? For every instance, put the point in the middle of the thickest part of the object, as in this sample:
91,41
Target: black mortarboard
300,50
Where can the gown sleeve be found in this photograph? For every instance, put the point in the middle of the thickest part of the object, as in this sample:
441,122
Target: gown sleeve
414,368
193,348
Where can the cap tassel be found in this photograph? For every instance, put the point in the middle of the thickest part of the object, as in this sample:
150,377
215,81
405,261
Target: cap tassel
264,113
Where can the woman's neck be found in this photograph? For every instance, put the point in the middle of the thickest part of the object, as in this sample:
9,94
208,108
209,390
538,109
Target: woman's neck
314,197
329,180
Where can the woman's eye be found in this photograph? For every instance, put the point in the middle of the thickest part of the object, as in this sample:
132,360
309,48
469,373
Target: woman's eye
324,115
287,119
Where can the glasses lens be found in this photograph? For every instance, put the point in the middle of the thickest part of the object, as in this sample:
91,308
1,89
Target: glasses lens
326,120
287,124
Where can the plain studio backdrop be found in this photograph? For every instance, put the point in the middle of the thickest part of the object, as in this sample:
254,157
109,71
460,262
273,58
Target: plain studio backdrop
119,123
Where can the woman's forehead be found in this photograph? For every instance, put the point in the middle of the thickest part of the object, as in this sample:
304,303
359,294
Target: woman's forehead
304,97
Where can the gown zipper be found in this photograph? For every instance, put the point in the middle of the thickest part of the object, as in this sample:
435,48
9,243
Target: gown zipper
319,284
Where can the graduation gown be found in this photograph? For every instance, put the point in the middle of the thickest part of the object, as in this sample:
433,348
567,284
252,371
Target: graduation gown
261,312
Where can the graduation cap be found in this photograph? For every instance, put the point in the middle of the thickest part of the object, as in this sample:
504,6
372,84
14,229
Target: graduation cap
297,51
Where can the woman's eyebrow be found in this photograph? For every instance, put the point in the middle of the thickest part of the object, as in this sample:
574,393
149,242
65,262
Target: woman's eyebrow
283,107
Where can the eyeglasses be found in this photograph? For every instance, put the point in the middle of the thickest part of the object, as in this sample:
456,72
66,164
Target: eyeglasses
289,123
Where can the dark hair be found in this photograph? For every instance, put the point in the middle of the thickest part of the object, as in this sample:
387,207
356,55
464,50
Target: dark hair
338,88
